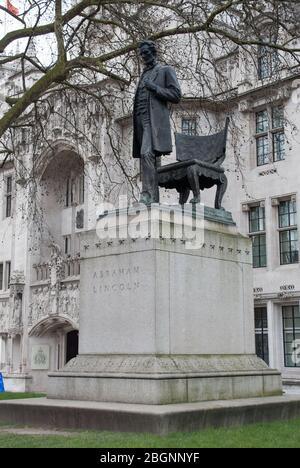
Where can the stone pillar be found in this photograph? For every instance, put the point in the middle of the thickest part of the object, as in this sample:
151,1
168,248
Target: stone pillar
10,354
63,348
2,353
24,353
272,334
17,285
59,357
271,238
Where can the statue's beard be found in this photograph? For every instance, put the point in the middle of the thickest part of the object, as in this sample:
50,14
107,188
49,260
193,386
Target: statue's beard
150,63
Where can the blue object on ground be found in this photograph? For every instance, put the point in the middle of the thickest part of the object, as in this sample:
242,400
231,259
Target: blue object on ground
1,384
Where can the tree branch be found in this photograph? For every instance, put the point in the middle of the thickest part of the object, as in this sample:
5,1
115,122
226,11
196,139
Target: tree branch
12,14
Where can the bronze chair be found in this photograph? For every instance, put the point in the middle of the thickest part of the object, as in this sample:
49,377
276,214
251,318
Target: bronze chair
198,167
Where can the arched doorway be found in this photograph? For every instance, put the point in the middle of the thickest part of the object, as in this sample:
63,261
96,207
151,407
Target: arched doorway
71,345
60,335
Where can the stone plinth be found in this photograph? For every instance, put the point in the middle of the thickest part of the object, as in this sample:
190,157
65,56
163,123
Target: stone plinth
17,382
162,419
163,319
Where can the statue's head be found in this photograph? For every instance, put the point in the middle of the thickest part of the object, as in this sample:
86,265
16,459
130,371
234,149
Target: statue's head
148,51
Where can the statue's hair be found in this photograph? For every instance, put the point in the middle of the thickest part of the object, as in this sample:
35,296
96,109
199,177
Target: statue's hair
150,44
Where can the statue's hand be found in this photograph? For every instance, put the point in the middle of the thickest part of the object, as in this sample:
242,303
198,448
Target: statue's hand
150,85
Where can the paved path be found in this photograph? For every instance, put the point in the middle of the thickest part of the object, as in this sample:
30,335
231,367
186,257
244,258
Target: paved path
34,431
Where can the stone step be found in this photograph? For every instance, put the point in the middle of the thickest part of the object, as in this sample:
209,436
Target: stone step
120,417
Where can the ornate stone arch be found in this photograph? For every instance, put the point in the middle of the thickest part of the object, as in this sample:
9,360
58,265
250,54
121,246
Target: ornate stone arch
60,146
52,324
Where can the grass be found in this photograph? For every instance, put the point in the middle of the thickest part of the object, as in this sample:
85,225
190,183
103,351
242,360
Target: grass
267,435
19,396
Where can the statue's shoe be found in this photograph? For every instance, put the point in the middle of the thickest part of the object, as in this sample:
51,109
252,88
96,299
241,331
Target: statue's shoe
195,201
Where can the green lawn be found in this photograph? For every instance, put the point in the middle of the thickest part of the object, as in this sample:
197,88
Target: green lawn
270,435
19,396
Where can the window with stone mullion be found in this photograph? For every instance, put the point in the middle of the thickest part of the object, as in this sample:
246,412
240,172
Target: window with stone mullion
291,333
278,133
262,148
262,139
288,232
270,136
278,146
268,62
1,277
259,244
257,217
262,122
8,208
289,251
189,126
278,118
257,226
261,333
287,213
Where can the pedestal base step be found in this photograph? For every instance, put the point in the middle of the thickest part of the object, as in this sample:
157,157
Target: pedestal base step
147,419
162,380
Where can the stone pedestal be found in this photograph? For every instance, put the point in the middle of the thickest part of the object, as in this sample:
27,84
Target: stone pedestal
163,319
17,382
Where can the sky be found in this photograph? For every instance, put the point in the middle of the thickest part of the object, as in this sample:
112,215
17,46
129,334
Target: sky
7,21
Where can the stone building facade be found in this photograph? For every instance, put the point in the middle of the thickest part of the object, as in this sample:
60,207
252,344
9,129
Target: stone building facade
39,240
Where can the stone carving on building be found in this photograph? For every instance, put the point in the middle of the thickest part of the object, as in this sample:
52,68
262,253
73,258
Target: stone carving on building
40,357
56,265
69,301
17,284
4,316
63,301
40,305
15,322
54,295
80,219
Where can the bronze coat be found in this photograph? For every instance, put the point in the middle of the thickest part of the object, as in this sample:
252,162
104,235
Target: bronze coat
168,91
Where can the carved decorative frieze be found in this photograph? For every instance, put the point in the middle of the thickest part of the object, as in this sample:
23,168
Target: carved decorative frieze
68,302
40,305
17,282
140,364
58,268
62,302
4,316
